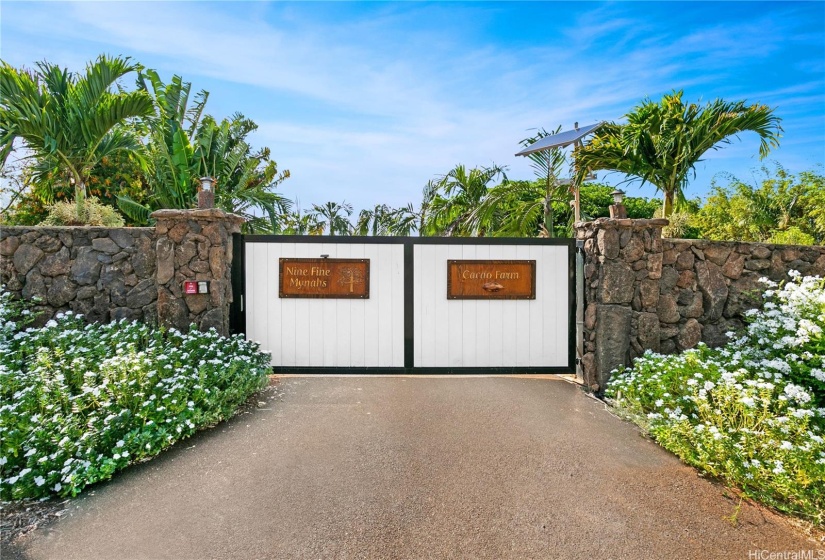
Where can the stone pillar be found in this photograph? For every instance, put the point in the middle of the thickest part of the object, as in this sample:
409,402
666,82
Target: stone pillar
622,268
195,245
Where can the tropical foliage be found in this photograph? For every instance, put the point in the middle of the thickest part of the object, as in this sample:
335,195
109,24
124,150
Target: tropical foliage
171,168
453,201
384,220
186,145
140,150
519,209
750,413
783,208
333,217
69,122
298,222
91,213
79,135
662,142
116,175
526,208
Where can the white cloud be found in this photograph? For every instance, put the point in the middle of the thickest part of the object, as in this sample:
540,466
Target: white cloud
381,98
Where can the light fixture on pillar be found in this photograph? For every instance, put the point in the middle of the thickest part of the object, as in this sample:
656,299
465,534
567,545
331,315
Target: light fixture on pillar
206,194
617,209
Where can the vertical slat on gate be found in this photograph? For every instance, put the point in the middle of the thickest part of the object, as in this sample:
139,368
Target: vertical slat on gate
482,319
277,326
469,327
289,322
508,313
523,318
344,308
537,331
383,320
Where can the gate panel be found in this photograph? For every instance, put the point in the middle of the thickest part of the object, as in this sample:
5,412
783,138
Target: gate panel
326,332
408,323
492,333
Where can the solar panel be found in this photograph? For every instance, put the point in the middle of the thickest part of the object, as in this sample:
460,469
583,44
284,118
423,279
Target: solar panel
559,140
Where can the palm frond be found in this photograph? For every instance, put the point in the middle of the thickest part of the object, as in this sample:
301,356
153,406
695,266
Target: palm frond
135,211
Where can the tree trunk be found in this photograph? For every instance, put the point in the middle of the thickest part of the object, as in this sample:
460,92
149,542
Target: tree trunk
548,218
80,199
668,207
548,199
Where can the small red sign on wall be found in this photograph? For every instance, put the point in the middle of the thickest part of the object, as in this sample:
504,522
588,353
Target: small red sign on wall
199,287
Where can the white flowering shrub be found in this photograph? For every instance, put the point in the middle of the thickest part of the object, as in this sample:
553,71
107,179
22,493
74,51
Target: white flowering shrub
750,413
787,333
80,401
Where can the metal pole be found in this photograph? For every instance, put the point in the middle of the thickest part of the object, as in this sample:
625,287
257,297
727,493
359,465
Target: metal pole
577,214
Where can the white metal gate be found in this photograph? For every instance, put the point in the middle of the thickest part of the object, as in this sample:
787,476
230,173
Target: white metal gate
407,324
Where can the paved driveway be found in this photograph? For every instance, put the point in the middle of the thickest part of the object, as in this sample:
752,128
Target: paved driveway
415,468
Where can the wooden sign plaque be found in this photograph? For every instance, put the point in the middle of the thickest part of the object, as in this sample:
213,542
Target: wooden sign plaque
491,279
324,278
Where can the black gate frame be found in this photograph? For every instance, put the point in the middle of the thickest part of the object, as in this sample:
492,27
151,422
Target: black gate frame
237,318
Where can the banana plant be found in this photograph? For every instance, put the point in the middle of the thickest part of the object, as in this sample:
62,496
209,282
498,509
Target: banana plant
171,169
185,144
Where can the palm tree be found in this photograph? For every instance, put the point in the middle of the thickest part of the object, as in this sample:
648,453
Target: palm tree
523,208
428,195
662,142
515,209
404,221
373,222
297,222
184,144
453,212
547,165
69,122
334,216
245,180
384,220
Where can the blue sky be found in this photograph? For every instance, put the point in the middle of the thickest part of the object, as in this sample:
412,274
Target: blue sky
365,102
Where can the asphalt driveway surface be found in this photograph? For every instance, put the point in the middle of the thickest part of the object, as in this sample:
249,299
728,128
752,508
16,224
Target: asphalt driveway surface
415,468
